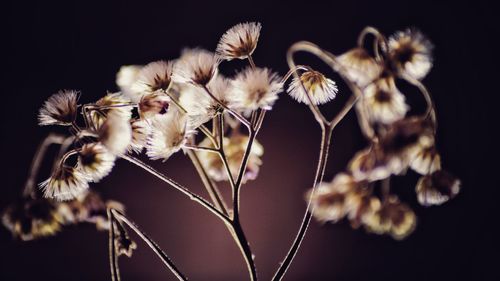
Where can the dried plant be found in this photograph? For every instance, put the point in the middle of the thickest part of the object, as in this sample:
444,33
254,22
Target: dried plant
164,105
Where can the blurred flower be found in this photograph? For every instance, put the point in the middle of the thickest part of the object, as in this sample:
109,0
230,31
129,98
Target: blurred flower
125,79
320,89
383,101
95,161
65,183
410,53
112,103
239,41
196,66
59,109
437,188
426,161
374,164
256,88
30,219
169,134
153,104
394,218
359,66
329,202
116,134
140,133
234,148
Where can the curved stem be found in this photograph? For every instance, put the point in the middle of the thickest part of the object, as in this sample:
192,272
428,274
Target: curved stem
177,186
326,132
379,39
431,109
37,161
252,63
156,249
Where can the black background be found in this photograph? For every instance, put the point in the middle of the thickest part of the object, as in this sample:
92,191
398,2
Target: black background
51,46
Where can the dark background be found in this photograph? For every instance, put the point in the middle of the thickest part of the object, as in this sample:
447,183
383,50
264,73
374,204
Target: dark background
67,45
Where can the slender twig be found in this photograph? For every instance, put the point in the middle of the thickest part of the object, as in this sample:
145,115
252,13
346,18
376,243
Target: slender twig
152,244
431,109
238,116
178,186
252,63
37,161
113,257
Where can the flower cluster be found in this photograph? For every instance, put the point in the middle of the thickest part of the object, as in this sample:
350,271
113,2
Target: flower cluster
397,142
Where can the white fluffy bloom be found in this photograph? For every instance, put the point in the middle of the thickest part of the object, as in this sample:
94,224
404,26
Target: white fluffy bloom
383,102
196,66
320,89
437,188
140,133
153,77
115,134
169,133
112,103
153,104
65,183
426,160
239,41
59,109
199,105
359,66
95,161
256,88
411,53
126,77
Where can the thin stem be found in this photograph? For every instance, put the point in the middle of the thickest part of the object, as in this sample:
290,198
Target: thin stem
222,153
210,186
323,156
431,109
177,186
293,70
201,148
379,39
113,257
252,63
156,249
29,189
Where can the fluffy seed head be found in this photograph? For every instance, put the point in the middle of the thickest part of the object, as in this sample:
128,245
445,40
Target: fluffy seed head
320,89
95,161
359,66
153,77
383,101
65,183
125,78
437,188
115,134
426,161
410,52
153,104
256,88
59,109
196,66
140,133
239,41
112,103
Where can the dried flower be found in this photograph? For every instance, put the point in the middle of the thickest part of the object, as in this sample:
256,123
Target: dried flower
320,89
112,103
59,109
437,188
153,104
116,134
30,219
169,134
361,206
155,76
359,66
372,164
426,161
234,148
394,218
256,88
383,101
65,183
140,133
196,66
125,79
239,41
95,161
410,53
328,202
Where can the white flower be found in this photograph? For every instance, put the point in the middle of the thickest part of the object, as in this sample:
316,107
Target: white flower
116,134
239,41
411,53
125,78
95,161
140,133
319,88
59,109
256,88
359,66
199,105
65,183
153,77
169,134
196,66
437,188
112,103
426,161
383,102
